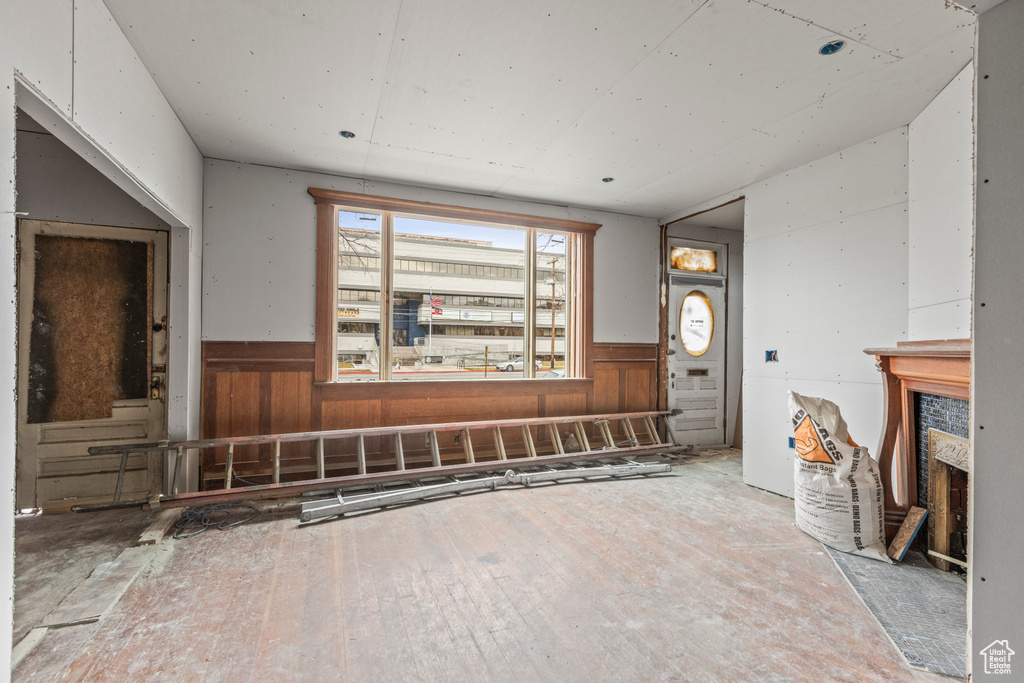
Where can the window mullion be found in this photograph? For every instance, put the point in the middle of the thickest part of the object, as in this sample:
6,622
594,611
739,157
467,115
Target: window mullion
387,277
332,284
569,305
530,305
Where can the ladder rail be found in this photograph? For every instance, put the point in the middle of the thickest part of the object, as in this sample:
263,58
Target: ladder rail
290,437
333,507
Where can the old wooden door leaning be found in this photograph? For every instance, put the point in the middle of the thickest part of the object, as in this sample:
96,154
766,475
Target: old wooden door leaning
92,359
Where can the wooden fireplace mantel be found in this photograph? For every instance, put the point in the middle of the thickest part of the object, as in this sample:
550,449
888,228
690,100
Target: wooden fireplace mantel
941,367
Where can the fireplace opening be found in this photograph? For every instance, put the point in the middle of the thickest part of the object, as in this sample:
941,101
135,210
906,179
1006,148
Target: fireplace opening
941,426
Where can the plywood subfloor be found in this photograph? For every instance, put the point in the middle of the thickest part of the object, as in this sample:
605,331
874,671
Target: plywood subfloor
690,576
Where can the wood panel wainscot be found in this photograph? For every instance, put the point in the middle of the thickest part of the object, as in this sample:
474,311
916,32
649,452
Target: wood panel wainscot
941,367
252,388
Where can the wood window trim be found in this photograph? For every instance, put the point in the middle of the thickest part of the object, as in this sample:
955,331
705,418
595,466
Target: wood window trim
450,211
327,202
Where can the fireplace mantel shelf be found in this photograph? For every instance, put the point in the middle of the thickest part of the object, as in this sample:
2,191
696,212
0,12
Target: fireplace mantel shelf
954,347
940,367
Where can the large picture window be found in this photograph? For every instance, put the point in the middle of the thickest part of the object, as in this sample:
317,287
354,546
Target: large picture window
415,291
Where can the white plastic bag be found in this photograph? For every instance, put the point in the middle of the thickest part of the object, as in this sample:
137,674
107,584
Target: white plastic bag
837,488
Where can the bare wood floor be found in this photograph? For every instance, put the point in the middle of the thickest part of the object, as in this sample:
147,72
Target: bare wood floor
690,576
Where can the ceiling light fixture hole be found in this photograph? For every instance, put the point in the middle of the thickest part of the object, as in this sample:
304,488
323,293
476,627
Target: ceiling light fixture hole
831,48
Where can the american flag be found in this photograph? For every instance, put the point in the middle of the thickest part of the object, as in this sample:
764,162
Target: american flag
435,301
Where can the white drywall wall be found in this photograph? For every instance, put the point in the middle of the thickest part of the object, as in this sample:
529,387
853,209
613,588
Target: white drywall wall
734,304
825,276
42,47
996,553
120,106
56,184
184,344
8,333
259,254
941,213
95,94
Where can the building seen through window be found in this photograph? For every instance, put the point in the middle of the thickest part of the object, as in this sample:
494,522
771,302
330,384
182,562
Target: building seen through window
458,298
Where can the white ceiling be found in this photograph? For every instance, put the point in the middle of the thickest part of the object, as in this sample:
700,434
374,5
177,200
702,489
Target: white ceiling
679,101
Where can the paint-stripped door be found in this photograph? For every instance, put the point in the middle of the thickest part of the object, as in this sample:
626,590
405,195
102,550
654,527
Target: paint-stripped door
92,306
697,360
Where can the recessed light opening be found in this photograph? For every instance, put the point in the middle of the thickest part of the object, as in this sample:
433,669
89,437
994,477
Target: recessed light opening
832,47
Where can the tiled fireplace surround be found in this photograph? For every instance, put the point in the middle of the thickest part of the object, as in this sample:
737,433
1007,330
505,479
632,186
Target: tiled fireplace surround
952,416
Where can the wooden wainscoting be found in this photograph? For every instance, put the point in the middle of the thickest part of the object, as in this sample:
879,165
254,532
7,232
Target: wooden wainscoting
625,378
254,388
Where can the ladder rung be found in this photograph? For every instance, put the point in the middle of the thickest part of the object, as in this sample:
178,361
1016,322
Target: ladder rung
320,458
627,427
435,451
361,454
581,434
277,461
652,431
556,439
467,446
531,452
399,452
606,435
178,457
229,466
499,444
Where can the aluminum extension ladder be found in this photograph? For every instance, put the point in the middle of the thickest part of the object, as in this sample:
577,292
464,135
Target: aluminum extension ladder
418,490
638,429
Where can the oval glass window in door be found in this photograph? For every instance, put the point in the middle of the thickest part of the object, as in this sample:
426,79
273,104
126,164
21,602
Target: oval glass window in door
696,323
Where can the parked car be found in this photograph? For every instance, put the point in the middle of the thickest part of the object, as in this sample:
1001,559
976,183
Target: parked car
516,365
554,374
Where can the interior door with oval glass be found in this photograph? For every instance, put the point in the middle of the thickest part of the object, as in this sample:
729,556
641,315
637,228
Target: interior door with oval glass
696,362
92,357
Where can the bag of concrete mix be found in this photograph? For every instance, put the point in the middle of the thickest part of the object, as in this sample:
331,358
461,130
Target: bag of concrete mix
837,488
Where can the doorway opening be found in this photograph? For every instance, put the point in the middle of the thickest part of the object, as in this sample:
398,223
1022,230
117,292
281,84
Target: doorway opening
92,303
702,325
696,346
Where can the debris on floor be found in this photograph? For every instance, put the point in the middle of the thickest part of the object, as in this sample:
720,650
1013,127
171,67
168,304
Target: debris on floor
222,515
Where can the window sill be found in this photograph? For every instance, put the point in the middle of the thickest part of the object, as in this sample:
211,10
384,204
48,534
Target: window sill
451,387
